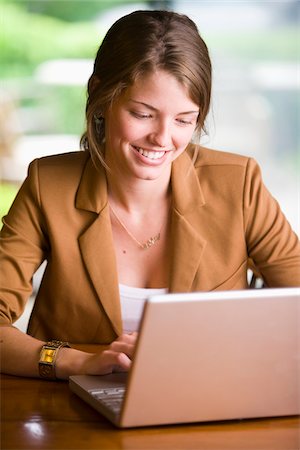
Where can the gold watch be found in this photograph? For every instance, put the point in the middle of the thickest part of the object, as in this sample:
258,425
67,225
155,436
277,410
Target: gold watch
47,358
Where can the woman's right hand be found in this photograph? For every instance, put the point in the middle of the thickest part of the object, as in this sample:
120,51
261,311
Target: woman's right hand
116,358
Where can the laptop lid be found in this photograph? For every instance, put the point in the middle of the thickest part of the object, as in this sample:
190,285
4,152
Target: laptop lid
213,356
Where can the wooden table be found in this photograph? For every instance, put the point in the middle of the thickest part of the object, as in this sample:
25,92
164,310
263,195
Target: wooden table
37,414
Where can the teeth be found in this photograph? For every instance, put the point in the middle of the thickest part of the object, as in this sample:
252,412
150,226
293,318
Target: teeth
149,154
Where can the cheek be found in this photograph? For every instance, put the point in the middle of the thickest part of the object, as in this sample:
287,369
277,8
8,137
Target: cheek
184,137
125,130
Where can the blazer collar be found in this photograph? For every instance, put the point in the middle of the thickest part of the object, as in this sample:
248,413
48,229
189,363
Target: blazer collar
92,191
186,188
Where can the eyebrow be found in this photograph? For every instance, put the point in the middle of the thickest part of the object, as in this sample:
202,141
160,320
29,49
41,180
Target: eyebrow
154,109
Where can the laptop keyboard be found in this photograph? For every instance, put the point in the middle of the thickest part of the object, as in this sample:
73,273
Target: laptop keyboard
112,398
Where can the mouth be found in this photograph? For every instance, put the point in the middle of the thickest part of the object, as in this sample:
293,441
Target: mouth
150,154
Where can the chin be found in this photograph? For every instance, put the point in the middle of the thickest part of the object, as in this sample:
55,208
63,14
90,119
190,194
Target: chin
153,173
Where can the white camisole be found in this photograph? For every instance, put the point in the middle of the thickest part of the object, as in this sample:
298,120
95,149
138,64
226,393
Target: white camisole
132,304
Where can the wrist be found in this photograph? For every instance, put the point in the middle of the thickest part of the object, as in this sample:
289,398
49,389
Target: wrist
71,362
48,356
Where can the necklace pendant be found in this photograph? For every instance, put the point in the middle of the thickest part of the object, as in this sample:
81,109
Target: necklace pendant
151,241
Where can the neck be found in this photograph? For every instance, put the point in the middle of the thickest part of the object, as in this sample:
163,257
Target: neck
141,195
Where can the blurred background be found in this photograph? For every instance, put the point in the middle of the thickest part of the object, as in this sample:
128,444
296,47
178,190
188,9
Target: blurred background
47,50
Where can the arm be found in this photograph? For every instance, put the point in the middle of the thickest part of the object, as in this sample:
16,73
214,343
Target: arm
20,355
272,244
24,244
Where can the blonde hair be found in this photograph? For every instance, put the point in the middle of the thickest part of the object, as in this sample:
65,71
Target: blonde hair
139,44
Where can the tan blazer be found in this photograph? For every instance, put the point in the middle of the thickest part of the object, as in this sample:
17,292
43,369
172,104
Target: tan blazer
222,216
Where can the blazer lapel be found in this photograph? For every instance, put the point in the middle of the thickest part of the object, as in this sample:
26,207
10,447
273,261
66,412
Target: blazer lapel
187,243
96,243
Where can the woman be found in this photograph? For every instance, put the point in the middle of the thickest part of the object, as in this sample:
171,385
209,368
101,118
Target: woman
141,211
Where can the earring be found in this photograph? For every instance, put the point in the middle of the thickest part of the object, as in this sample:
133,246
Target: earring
98,122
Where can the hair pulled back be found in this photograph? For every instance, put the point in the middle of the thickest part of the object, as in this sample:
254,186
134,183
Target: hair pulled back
138,44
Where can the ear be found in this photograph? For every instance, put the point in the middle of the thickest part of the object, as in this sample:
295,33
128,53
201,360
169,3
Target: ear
94,83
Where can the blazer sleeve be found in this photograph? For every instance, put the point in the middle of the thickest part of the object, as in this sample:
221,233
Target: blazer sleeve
272,244
23,247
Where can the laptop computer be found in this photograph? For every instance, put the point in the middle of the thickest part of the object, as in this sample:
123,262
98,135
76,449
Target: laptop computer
206,356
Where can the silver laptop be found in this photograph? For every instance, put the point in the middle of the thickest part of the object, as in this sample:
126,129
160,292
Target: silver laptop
206,357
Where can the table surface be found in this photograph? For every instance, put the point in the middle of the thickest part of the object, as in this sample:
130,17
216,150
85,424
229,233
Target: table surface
39,414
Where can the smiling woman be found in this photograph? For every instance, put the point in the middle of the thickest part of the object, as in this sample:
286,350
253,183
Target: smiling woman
146,130
142,210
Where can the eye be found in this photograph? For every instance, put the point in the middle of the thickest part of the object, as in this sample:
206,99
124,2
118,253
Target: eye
139,115
184,121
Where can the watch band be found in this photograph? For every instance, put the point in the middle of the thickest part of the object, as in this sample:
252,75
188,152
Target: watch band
48,357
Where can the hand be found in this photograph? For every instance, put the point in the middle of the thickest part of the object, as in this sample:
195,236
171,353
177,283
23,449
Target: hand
120,352
117,358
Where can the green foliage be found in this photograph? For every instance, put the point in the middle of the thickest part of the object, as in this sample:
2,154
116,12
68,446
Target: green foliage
26,40
280,44
72,10
66,104
8,192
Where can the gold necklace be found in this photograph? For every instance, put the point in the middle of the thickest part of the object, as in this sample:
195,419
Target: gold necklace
151,241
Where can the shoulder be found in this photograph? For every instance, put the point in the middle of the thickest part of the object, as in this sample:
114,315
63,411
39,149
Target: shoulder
219,171
56,178
206,157
65,168
223,167
64,161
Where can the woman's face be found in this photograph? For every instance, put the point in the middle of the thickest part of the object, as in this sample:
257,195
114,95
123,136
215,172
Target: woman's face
149,126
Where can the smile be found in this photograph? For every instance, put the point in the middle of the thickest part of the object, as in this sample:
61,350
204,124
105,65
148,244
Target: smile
149,154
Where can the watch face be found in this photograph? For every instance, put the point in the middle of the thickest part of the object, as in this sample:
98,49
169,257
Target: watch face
47,355
47,358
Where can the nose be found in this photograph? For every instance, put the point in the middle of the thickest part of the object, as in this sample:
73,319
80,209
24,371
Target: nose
161,135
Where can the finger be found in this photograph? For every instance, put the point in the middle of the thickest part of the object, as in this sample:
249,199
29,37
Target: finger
115,361
128,337
122,347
